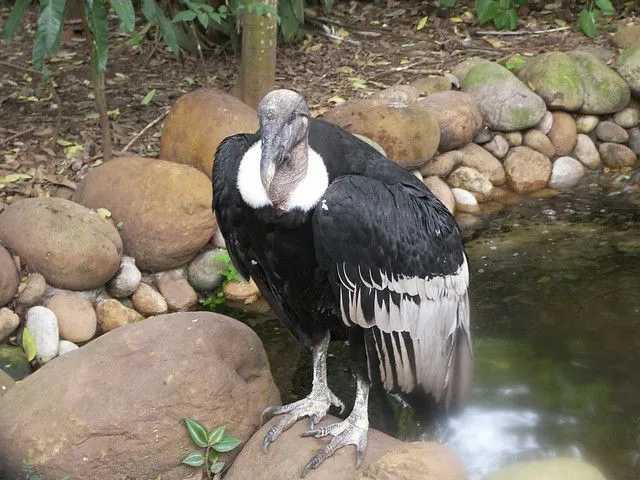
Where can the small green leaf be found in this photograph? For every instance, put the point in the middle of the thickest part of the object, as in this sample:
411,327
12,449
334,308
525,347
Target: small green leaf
195,459
227,444
197,432
97,19
120,225
168,33
215,436
28,344
15,177
422,23
203,18
486,10
124,10
587,23
184,16
17,12
506,20
148,97
50,23
150,9
606,7
446,3
213,456
514,63
103,212
217,467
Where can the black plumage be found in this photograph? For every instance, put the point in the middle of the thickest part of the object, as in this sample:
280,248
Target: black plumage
364,251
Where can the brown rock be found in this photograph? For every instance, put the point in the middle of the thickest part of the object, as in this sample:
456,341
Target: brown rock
177,292
563,133
540,142
198,122
33,292
416,461
431,84
80,250
9,321
457,114
627,35
6,382
441,190
241,292
77,320
442,165
498,146
477,157
199,365
288,455
409,134
617,155
149,301
527,170
9,277
472,180
514,138
164,207
112,314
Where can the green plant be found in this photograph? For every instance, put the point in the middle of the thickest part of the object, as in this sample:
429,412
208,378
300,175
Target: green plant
589,18
214,442
503,13
230,274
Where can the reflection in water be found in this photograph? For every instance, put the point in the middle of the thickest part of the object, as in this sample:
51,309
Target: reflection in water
556,324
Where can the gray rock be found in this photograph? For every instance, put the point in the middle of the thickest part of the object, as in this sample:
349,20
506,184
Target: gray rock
634,140
627,117
9,321
566,173
43,325
471,180
628,66
586,123
554,76
617,155
205,271
465,201
431,84
546,123
125,282
65,346
218,239
499,146
9,277
461,70
505,102
586,151
611,132
483,136
604,90
397,93
540,142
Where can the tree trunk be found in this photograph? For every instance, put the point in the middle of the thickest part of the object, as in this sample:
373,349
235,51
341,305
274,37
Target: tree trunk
258,57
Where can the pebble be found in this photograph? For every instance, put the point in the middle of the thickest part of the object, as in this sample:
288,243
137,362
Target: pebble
566,173
243,292
9,277
465,201
77,320
628,117
442,191
634,140
563,133
443,164
472,180
33,292
499,146
587,152
113,314
125,282
540,142
9,321
205,271
65,346
483,136
180,296
586,123
611,132
43,326
514,138
218,239
148,301
546,123
617,155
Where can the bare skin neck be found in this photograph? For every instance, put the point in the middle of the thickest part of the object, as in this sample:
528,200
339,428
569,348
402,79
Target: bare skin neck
288,175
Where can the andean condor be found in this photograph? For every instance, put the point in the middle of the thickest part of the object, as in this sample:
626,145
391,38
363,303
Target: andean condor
343,242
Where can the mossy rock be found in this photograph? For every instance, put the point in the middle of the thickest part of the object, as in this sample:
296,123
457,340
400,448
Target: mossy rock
628,67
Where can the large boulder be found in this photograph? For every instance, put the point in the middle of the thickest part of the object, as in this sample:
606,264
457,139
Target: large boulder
628,66
9,277
506,103
288,455
604,90
72,246
198,122
549,469
457,114
115,407
408,133
554,76
164,207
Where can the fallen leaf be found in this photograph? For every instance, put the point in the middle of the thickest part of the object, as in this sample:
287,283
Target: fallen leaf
336,100
422,23
104,213
150,95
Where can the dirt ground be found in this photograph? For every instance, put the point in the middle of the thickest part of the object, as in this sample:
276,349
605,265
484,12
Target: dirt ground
39,130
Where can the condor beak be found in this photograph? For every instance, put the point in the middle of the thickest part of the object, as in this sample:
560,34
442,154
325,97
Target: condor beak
272,154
